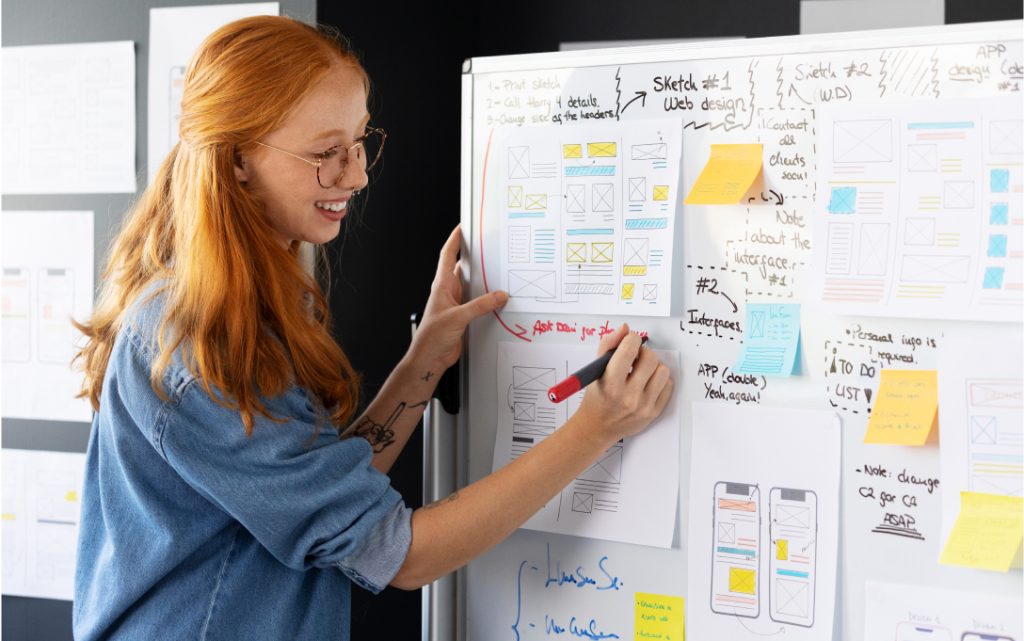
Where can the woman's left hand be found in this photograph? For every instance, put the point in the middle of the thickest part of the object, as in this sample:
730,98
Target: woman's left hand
437,343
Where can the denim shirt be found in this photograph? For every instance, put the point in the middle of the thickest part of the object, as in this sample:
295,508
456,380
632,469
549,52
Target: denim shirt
192,530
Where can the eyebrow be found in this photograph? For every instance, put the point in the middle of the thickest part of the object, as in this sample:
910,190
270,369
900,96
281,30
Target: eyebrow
338,132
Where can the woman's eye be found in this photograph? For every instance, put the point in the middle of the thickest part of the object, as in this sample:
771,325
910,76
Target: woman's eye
324,155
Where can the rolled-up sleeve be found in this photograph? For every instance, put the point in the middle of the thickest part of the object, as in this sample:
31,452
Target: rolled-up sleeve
310,499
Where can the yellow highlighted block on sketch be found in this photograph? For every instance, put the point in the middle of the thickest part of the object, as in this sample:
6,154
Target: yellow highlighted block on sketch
602,149
601,252
661,192
71,496
536,202
782,550
572,151
576,252
627,291
634,270
9,517
743,581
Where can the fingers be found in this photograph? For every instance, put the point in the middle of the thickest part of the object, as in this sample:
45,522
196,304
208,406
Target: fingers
481,305
644,367
611,341
626,352
450,251
663,397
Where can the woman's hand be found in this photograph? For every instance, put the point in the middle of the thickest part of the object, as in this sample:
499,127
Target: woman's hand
438,340
633,391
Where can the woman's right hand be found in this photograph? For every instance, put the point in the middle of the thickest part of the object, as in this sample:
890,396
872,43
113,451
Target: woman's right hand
622,402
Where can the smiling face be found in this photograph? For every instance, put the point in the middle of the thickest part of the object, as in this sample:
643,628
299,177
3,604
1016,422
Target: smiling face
333,113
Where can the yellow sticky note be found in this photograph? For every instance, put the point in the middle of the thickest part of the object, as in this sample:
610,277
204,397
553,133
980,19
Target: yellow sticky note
742,580
658,617
729,173
627,291
905,407
572,151
987,533
782,550
661,192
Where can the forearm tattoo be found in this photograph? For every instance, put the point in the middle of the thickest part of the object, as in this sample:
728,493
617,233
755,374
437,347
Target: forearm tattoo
426,377
447,499
378,435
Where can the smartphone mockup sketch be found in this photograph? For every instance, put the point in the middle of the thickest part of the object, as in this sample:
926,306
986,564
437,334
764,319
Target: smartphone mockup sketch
793,531
736,554
979,636
921,632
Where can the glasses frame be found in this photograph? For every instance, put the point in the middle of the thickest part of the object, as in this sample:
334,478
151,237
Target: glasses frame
348,149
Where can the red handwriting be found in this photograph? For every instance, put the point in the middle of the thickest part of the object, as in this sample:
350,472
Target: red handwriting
575,327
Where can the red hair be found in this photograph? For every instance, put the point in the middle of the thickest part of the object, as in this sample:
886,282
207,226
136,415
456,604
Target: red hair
250,320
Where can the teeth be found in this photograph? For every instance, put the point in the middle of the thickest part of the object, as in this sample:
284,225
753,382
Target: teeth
335,207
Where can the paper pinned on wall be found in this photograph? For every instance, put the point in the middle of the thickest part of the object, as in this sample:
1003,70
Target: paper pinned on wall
174,35
629,493
919,613
766,551
69,119
659,616
47,281
728,174
41,505
771,340
905,409
987,533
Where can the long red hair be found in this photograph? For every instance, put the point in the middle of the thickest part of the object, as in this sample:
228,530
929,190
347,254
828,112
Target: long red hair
248,316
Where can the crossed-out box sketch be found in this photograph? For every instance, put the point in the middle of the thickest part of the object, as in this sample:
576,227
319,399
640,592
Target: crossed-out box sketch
575,199
919,231
533,379
983,430
793,597
922,158
532,283
637,189
1006,136
518,162
650,151
862,141
935,269
603,197
607,469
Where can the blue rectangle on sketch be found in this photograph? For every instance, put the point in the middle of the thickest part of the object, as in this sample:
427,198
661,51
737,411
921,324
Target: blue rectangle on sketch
843,200
999,181
997,246
603,231
736,551
525,214
796,573
598,170
1000,214
964,124
993,278
646,223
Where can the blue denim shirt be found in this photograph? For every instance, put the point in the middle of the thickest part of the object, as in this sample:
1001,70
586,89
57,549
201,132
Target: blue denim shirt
192,530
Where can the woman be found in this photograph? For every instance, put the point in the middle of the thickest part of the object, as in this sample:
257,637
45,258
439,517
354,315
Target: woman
219,500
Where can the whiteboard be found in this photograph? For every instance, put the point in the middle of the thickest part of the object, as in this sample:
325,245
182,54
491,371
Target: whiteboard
774,92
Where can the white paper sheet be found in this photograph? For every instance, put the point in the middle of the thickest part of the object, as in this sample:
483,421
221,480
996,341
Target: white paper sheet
69,119
919,212
920,613
629,494
174,35
47,280
585,215
41,504
763,522
981,416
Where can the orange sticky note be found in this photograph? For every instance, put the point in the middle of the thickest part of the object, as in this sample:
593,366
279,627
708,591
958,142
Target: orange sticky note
988,532
729,173
905,407
658,617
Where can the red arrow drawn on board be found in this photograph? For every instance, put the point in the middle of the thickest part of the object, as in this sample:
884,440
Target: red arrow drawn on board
521,331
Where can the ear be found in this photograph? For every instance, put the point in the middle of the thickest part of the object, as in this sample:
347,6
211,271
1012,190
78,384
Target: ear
241,168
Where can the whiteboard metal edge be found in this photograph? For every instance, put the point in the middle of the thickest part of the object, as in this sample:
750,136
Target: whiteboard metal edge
779,45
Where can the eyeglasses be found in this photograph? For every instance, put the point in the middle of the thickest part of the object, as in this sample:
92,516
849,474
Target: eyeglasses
331,164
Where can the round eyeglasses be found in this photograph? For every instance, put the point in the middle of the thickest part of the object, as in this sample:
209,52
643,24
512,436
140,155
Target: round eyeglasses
332,163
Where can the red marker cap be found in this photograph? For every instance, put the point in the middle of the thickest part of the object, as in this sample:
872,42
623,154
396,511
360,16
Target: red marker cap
563,390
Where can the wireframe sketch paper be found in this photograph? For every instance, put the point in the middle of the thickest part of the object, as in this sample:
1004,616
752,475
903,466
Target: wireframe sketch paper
585,216
69,119
47,280
919,213
922,613
41,504
174,35
629,494
763,528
